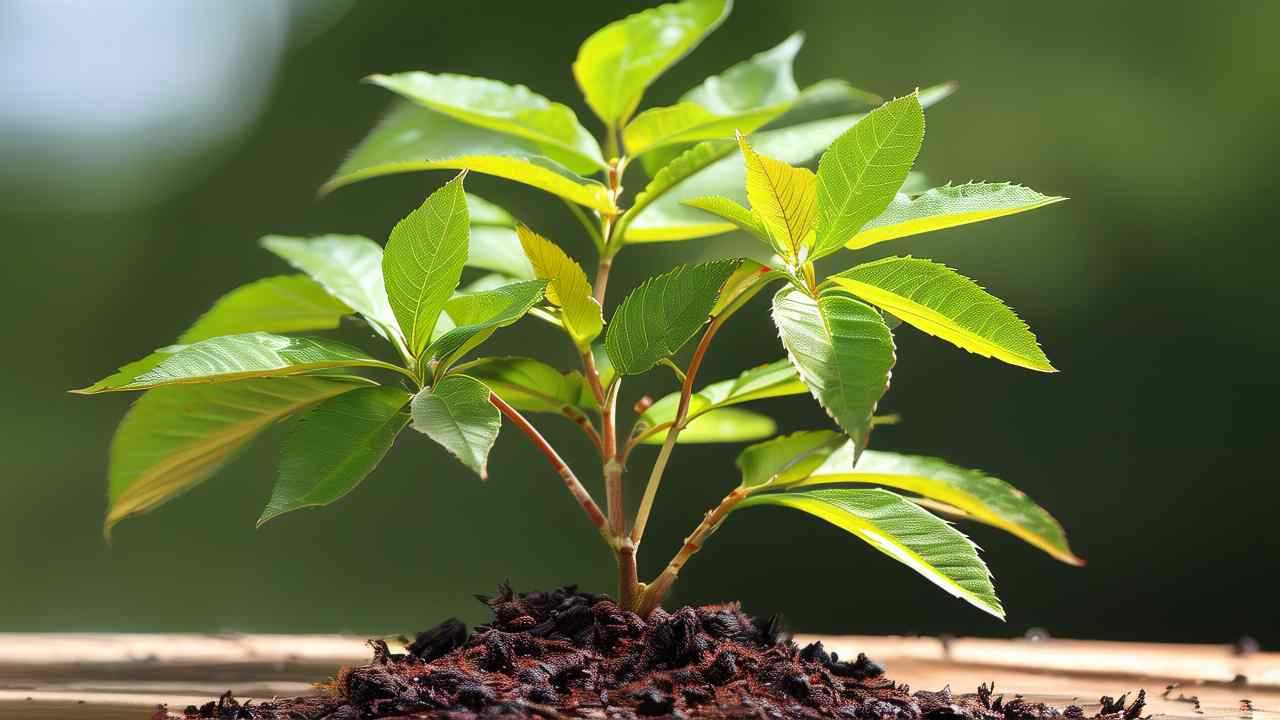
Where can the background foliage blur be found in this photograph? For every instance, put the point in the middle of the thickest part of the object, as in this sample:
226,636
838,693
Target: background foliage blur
145,146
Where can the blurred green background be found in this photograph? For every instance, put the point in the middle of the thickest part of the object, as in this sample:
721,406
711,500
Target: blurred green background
144,147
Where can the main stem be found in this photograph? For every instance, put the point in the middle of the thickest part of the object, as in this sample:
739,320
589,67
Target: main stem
658,589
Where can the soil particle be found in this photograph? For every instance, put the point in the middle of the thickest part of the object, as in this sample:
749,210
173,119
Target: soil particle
569,654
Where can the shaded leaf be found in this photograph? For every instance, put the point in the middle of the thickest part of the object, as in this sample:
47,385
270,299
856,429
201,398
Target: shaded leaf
498,250
842,350
287,303
657,318
776,379
948,206
484,213
349,267
174,438
864,168
788,458
903,531
724,425
617,63
476,316
530,385
334,446
785,200
567,288
948,305
509,109
456,413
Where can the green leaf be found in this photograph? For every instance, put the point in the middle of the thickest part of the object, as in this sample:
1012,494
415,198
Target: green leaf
173,438
510,109
334,446
948,305
683,167
498,250
456,413
424,259
905,532
657,318
349,267
617,63
946,207
785,200
530,385
725,425
741,99
412,139
788,458
734,213
975,495
235,357
568,287
776,379
484,213
842,350
864,168
287,303
477,315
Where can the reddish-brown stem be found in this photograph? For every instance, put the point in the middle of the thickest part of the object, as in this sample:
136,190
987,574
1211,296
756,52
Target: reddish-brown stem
613,468
584,422
654,594
570,480
593,378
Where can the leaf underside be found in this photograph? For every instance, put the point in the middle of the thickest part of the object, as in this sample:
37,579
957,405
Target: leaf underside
457,413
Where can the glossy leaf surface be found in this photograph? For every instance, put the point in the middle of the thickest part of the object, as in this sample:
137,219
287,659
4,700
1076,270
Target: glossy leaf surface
946,207
567,287
349,267
456,413
286,303
776,379
723,425
531,385
788,458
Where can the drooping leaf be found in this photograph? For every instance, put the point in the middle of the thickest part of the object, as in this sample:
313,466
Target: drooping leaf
456,413
741,99
484,213
476,316
334,446
498,250
286,303
530,385
349,267
948,305
412,139
617,63
785,200
724,425
842,350
776,379
509,109
567,288
864,168
734,213
978,496
905,532
657,318
174,438
948,206
787,458
424,260
235,357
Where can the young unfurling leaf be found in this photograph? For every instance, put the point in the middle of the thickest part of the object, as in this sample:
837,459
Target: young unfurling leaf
567,287
785,200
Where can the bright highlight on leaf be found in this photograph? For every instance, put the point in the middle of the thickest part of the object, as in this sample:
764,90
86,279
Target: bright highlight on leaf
567,287
946,207
456,413
948,305
722,425
785,200
734,213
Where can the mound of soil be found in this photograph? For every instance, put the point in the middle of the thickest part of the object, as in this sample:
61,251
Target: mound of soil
570,654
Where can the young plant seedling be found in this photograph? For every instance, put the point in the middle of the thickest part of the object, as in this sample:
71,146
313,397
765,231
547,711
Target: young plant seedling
729,156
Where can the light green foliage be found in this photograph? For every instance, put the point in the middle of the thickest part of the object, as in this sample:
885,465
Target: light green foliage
777,379
785,200
864,168
424,259
511,109
567,287
173,438
787,458
732,212
456,413
288,303
903,531
663,313
842,350
349,267
684,167
617,63
946,207
476,316
724,425
944,303
334,446
531,385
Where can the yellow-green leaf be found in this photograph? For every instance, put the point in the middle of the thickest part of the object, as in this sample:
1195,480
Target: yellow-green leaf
788,458
288,303
530,385
723,425
785,200
946,207
731,211
776,379
567,288
948,305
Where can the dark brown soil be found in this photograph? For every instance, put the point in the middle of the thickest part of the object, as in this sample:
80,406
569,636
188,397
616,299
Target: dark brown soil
576,655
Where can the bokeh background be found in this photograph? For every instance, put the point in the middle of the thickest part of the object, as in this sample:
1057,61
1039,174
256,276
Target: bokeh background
145,146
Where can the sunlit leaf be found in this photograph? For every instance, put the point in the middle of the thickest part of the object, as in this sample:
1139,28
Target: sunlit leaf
724,425
685,166
784,198
948,206
657,318
530,385
946,304
567,288
334,446
734,213
457,413
349,267
476,316
905,532
842,350
174,438
864,168
424,259
776,379
498,250
976,495
617,63
509,109
287,303
788,458
412,139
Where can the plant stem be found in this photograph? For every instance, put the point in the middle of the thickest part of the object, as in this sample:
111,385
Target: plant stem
570,480
585,423
590,227
612,468
657,590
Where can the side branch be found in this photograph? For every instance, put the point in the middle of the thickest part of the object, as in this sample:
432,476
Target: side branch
570,480
656,591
